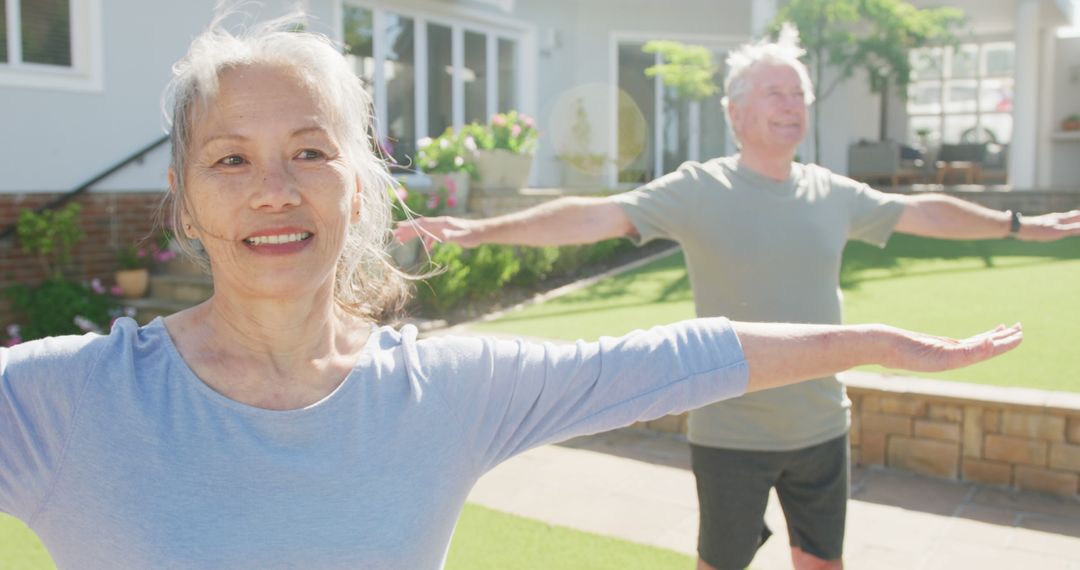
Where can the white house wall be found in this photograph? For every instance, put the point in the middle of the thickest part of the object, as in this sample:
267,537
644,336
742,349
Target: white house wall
54,139
1065,152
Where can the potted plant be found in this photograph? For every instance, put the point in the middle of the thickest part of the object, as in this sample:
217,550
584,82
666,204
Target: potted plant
504,150
135,261
1071,123
446,159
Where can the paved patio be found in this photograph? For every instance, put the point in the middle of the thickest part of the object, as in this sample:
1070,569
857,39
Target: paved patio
636,484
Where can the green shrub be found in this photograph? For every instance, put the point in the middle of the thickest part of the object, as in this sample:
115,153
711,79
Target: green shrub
482,273
59,307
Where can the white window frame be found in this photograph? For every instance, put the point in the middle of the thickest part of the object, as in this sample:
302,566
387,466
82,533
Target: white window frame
86,72
715,43
948,52
459,20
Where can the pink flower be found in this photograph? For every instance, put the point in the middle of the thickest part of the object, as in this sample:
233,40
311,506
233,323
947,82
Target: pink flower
14,336
515,130
498,120
164,255
401,193
451,185
116,290
451,201
141,253
433,201
96,286
527,120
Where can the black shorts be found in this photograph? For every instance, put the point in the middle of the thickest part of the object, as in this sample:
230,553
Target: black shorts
733,489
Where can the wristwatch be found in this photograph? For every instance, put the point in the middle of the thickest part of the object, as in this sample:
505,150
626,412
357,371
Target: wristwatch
1014,222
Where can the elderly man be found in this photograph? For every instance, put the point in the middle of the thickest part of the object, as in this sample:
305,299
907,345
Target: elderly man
763,239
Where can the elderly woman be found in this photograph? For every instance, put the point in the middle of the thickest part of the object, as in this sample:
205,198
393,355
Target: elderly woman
277,425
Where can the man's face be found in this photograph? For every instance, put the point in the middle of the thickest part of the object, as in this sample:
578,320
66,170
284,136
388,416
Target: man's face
771,117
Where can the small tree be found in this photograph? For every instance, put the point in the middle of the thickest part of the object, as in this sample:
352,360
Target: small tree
687,69
871,35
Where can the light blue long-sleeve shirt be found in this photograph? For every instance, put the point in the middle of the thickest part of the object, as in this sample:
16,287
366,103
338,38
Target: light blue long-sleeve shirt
118,456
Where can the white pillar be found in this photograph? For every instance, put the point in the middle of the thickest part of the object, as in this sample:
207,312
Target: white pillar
762,13
1047,121
1022,149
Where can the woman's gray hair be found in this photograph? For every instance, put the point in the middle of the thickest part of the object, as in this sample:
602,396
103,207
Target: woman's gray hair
367,282
741,62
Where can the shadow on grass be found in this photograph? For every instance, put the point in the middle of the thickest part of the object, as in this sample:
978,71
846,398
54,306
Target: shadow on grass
860,257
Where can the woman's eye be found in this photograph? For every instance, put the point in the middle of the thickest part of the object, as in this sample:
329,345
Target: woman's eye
232,160
309,154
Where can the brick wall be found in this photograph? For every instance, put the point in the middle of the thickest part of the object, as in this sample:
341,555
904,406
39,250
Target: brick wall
109,220
1011,437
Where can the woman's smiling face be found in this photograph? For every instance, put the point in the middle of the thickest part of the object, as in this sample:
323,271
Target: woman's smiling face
268,189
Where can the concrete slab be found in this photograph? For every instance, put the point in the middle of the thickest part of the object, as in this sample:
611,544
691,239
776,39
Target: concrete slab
636,485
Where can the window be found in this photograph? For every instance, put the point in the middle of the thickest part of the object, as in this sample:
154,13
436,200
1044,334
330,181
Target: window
50,43
961,94
677,130
426,73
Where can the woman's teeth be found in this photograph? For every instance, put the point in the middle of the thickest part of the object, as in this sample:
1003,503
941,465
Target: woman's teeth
278,239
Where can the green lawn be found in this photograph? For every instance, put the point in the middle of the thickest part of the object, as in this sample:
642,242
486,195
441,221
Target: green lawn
484,540
949,288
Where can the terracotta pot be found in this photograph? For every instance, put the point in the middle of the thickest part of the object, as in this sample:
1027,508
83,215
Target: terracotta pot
1070,125
133,283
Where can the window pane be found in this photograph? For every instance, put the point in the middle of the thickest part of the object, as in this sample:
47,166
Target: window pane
400,76
46,32
475,77
961,96
959,127
3,31
676,117
924,97
440,68
926,63
998,128
924,131
713,122
964,61
640,103
360,43
998,59
507,75
996,95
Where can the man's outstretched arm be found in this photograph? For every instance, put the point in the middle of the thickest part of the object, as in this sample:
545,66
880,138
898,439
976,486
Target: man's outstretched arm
778,354
566,221
939,216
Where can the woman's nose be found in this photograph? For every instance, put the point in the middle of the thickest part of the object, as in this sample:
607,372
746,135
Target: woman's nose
276,188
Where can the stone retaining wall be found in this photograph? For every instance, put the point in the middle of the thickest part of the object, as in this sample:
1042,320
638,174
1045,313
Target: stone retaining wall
1011,437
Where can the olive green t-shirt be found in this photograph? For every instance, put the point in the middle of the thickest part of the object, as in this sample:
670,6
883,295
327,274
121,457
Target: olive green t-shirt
761,250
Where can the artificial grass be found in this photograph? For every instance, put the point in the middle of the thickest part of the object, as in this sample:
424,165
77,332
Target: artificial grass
941,287
490,540
485,539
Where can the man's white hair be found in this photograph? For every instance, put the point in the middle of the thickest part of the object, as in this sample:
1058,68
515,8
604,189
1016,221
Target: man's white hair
741,63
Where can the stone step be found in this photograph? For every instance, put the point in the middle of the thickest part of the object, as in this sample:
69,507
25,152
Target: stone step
188,289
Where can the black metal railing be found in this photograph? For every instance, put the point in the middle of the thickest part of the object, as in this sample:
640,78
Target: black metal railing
68,196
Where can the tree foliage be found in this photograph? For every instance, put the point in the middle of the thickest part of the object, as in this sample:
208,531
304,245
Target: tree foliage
875,36
688,69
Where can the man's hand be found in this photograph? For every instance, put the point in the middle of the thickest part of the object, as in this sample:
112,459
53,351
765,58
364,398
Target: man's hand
928,353
439,229
1049,227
